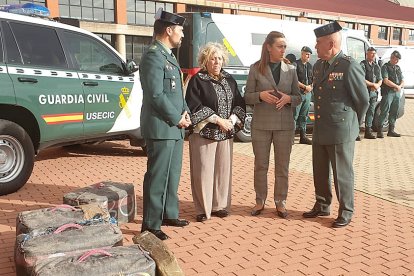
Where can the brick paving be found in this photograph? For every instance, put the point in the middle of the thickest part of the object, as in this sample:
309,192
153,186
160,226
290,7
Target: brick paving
379,241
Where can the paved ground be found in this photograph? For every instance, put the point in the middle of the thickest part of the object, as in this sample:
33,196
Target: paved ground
379,241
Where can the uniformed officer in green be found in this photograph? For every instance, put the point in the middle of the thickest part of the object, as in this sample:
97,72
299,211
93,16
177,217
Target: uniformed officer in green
341,100
373,79
391,93
163,120
304,70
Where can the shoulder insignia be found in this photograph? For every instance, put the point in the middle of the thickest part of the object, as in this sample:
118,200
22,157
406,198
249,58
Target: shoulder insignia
348,58
153,47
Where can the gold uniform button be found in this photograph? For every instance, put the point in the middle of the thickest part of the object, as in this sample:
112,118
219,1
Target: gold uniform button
318,116
318,107
319,97
334,87
320,88
343,119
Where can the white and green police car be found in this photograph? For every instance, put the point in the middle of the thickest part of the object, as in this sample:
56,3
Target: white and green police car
59,85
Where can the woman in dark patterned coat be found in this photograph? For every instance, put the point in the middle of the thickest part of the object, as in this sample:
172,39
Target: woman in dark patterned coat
217,113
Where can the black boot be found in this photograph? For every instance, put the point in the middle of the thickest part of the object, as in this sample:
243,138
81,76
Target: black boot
379,133
303,139
392,133
368,133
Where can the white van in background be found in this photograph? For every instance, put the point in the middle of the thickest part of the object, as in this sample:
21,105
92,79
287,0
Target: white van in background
243,36
407,56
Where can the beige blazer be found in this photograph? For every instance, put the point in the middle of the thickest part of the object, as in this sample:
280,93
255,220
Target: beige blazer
266,116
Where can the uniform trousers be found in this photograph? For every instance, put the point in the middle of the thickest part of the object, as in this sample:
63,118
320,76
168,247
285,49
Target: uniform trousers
390,103
373,97
339,157
301,112
161,181
211,173
282,144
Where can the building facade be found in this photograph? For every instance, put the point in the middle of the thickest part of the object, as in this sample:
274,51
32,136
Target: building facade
127,24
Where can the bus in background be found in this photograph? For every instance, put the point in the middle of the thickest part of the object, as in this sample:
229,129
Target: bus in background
243,36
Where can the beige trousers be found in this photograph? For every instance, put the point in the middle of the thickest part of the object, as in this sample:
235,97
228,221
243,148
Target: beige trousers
211,174
282,145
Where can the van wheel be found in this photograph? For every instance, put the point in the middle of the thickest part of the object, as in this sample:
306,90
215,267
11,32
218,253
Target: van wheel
375,122
245,134
16,157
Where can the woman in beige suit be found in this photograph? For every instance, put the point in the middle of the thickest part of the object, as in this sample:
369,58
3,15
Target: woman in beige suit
272,88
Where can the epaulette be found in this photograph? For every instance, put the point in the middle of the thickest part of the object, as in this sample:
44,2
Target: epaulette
153,47
348,58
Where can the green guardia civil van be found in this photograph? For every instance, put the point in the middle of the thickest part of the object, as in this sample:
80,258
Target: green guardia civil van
59,85
243,36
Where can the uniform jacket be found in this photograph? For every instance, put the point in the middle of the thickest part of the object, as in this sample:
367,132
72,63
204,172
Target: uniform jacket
266,116
206,96
393,73
372,72
340,101
305,72
163,99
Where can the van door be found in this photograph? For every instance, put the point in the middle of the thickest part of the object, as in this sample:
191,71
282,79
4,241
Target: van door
42,81
356,48
107,89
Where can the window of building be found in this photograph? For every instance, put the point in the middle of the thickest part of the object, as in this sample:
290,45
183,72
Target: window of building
314,20
135,46
291,18
396,34
143,12
382,32
101,10
196,8
410,35
350,25
8,2
367,30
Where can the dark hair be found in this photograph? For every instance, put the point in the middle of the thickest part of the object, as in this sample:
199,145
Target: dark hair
160,27
265,57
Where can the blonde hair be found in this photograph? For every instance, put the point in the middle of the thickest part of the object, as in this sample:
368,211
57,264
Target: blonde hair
210,49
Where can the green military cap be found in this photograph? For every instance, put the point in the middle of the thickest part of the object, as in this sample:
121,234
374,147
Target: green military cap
168,17
327,29
306,49
396,54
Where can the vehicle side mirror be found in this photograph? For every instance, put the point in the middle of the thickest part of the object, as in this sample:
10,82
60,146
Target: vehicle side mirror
131,67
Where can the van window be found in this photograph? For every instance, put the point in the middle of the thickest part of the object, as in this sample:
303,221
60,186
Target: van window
39,45
91,55
356,48
12,51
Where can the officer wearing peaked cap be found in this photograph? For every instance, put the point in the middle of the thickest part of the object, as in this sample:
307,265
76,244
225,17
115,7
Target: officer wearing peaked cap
163,120
340,102
391,93
305,78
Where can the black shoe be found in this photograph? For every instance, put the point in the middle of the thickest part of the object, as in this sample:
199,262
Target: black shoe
303,139
380,134
340,222
392,133
201,218
358,138
281,212
368,134
315,213
158,233
255,211
221,213
175,222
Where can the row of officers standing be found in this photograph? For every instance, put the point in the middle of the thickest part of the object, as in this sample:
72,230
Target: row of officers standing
214,110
